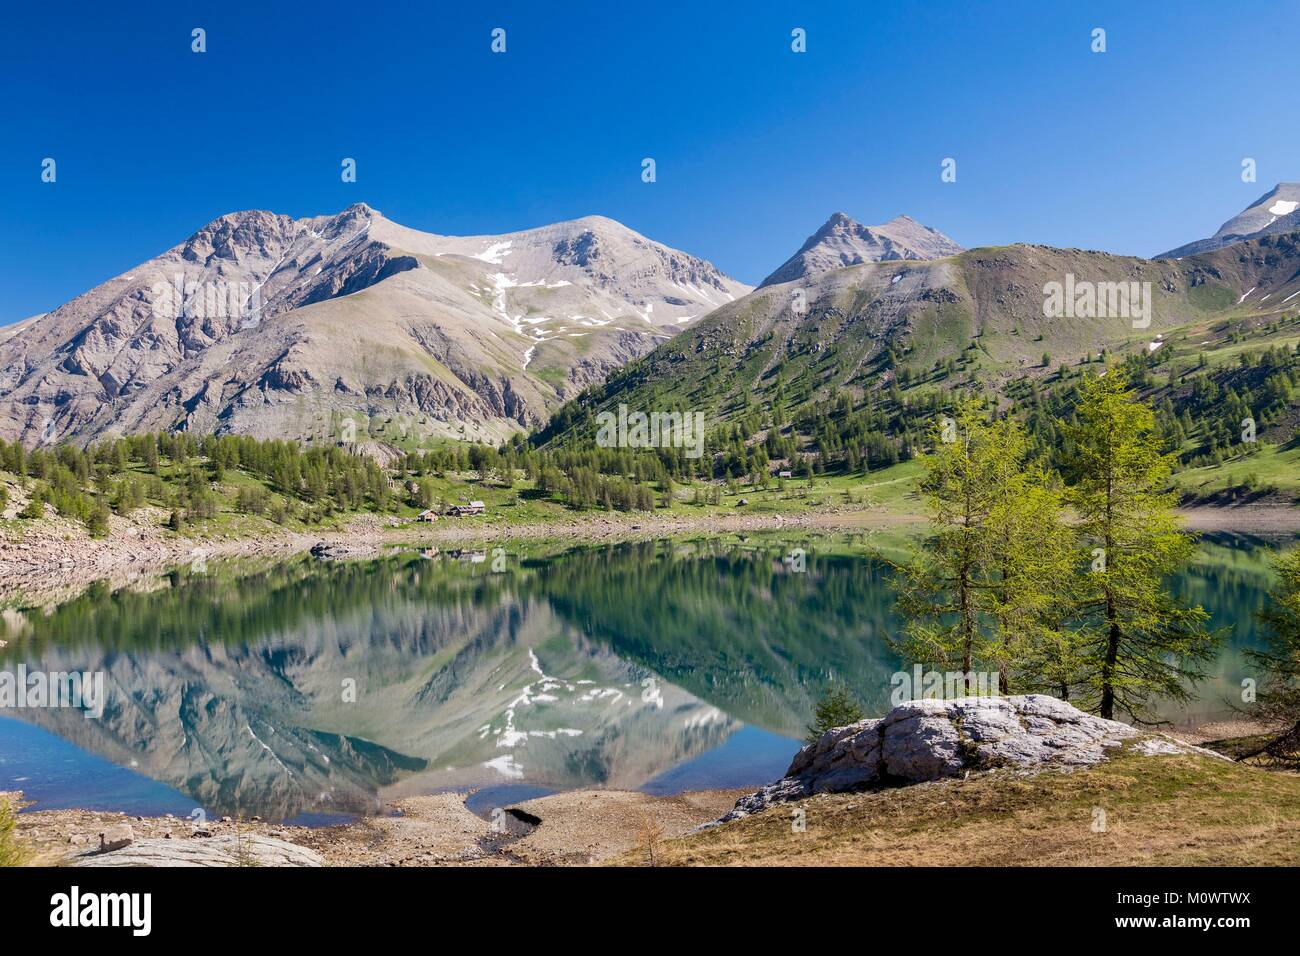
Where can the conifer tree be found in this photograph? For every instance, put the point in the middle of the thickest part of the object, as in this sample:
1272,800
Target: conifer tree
988,582
1140,641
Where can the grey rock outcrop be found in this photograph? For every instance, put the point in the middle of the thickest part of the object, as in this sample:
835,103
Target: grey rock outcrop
228,850
116,838
924,740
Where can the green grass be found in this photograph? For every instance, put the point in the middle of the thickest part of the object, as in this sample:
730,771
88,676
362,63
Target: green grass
888,494
1180,810
1211,297
12,853
1271,465
887,490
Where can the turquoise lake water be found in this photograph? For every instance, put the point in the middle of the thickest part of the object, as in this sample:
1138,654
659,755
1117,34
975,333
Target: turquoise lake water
315,691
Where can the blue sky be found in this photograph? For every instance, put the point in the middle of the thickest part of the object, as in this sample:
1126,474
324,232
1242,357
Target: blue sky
1134,151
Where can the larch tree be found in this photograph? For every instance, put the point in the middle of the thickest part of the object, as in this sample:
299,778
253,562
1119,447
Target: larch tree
1139,640
980,589
1033,570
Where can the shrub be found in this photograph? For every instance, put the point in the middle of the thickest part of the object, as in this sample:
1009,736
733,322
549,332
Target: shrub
837,708
11,852
35,507
97,520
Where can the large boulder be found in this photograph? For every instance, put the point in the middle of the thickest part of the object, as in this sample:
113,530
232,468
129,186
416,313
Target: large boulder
220,851
116,837
923,740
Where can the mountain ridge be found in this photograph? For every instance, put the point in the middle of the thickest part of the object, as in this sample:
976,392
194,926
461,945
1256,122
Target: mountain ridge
300,322
858,331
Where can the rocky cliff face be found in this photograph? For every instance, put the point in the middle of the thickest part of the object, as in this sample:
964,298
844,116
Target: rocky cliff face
279,327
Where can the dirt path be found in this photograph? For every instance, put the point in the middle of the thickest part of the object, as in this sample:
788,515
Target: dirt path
1264,519
58,559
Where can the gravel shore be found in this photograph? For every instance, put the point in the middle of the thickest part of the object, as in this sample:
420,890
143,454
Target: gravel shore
576,828
57,559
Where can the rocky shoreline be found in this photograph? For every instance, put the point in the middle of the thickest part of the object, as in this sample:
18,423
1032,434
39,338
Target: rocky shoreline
924,742
59,559
574,828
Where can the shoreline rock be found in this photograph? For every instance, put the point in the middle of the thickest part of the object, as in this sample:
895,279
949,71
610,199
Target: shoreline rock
925,740
341,551
570,828
223,851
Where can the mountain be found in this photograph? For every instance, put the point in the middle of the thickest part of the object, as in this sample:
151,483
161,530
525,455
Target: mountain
272,326
1275,212
979,316
842,242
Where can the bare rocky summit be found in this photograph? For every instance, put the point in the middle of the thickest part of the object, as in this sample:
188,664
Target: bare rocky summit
843,242
924,740
267,325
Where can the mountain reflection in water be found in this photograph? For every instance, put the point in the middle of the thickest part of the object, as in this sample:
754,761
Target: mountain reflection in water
325,688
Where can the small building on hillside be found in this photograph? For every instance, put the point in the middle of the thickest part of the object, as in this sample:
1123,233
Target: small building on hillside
785,473
473,508
427,515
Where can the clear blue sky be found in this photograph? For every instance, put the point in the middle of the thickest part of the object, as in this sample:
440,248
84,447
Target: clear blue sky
1133,151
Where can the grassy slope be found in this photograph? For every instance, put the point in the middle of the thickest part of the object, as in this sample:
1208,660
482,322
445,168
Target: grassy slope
989,321
985,310
12,853
1279,468
1160,811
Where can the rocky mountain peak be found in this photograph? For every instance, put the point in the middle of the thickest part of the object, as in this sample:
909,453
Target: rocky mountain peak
842,241
1275,212
265,324
236,234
